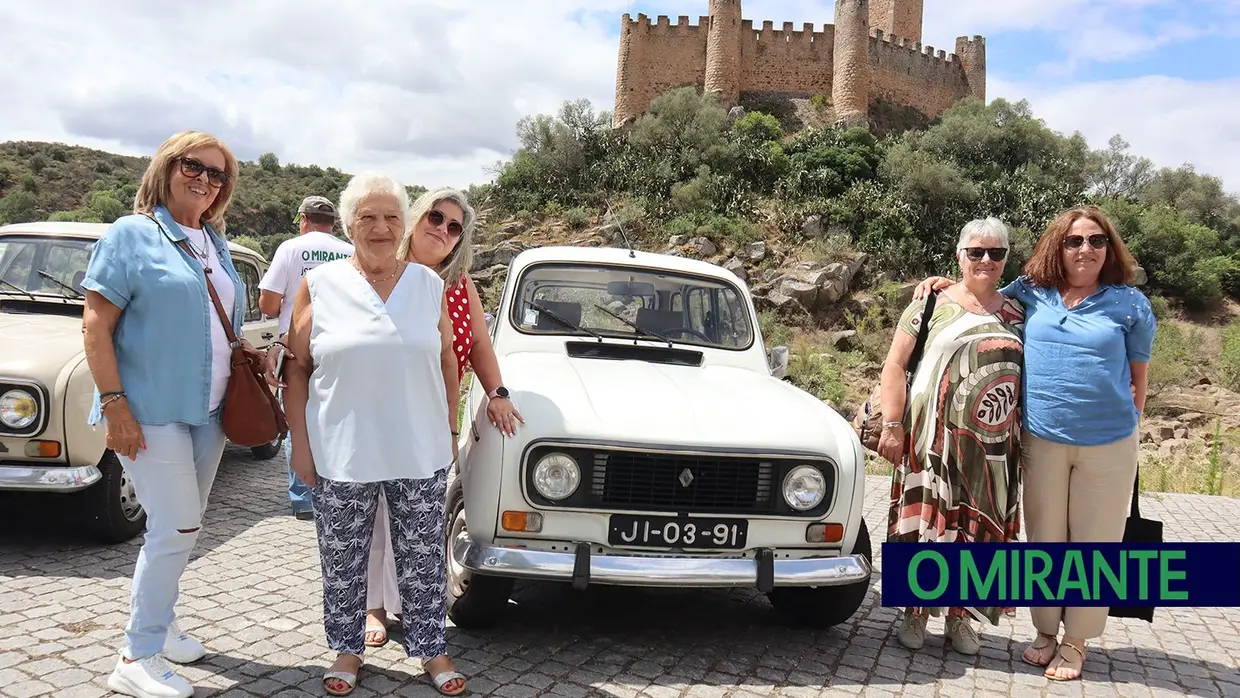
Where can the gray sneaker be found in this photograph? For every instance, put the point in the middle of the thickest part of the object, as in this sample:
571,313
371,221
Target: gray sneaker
913,632
962,635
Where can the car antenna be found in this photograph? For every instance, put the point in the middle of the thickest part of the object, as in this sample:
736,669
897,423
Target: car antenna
629,243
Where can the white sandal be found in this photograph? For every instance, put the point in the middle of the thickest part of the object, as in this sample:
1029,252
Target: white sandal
350,680
442,679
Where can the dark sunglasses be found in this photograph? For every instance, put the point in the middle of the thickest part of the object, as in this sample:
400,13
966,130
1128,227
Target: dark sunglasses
1097,242
436,218
997,254
192,168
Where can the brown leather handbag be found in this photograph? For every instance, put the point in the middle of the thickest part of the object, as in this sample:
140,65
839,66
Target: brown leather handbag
251,414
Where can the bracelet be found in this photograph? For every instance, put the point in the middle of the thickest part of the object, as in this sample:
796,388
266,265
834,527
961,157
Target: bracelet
893,425
110,393
456,433
112,397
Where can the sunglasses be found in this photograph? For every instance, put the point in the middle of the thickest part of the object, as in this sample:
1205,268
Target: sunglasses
1097,242
436,218
997,254
192,168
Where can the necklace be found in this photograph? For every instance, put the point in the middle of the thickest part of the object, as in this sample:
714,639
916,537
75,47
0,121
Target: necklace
199,252
981,307
377,281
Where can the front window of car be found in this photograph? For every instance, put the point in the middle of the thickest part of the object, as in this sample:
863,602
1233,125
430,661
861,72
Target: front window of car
43,265
625,302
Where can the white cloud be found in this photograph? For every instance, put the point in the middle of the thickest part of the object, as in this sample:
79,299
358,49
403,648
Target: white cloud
432,90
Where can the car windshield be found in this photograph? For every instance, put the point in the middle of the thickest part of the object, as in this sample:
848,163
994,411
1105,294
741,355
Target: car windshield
627,302
43,266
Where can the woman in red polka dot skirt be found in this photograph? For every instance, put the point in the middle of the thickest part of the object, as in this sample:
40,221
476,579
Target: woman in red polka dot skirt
441,225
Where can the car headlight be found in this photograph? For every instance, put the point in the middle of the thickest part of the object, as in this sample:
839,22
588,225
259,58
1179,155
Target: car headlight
804,487
556,476
18,409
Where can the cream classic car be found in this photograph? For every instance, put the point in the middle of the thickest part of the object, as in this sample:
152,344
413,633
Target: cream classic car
660,446
46,387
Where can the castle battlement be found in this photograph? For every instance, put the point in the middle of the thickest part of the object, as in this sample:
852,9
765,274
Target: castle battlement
871,51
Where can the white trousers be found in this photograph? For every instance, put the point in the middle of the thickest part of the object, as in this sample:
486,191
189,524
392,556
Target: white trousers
381,589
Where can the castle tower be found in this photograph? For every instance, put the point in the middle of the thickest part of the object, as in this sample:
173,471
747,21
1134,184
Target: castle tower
723,52
972,55
901,18
627,75
850,84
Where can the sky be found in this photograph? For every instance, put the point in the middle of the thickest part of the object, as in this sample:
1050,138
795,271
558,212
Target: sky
431,90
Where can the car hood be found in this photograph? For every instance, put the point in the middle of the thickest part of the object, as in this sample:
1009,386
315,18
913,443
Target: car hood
38,346
642,402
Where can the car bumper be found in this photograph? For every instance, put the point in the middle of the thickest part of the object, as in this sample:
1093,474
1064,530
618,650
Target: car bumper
583,568
45,478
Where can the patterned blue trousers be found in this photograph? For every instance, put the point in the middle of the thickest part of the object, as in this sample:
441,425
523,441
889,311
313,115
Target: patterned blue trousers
344,514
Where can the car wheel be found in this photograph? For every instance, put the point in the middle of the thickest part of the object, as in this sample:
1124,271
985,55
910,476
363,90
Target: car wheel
267,451
474,601
112,513
827,606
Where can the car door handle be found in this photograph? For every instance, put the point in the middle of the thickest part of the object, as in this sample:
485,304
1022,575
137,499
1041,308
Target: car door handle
267,335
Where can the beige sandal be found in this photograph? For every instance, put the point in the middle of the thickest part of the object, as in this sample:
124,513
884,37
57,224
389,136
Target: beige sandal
1040,643
1080,668
348,679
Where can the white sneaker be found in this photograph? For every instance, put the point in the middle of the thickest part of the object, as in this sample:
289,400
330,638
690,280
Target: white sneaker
152,677
963,636
913,633
181,648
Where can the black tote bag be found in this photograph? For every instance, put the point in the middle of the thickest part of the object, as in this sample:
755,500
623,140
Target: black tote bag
1138,531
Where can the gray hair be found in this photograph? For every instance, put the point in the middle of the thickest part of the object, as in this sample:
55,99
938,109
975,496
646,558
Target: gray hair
991,227
369,184
461,258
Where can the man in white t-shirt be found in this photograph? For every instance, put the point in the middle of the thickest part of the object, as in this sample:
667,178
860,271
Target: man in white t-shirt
314,245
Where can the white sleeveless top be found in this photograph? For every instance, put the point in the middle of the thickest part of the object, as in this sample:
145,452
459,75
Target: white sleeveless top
377,408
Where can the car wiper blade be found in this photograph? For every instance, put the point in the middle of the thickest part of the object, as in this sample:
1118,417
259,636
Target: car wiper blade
560,319
636,328
19,289
67,287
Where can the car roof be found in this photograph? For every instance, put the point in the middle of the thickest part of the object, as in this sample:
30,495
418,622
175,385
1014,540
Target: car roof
85,230
622,256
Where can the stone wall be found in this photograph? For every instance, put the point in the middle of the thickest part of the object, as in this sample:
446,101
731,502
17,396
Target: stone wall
657,57
897,17
788,60
923,77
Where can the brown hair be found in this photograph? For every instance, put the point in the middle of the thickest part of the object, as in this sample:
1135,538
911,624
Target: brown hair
1045,267
157,180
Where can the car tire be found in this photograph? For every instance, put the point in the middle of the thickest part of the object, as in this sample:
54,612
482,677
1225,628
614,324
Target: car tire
267,451
111,513
826,606
474,601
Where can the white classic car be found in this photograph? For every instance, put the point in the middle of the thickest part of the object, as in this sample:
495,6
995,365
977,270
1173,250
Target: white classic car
660,446
46,387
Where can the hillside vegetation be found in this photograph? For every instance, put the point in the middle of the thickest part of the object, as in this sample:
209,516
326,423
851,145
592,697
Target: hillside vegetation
891,205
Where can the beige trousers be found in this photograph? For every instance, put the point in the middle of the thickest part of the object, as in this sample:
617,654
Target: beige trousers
381,589
1077,494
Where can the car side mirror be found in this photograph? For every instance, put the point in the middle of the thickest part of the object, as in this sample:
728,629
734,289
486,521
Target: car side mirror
779,362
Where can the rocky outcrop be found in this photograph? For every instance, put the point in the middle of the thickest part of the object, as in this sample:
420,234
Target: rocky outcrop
811,286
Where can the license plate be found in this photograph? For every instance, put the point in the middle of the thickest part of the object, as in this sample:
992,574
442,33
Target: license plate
674,532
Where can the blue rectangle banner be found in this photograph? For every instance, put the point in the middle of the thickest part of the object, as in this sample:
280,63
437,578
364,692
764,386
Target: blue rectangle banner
1025,575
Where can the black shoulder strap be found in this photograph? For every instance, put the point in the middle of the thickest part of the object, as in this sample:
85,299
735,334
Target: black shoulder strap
1135,510
922,331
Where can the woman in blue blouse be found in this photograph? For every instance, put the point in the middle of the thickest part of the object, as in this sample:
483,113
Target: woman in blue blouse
159,357
1088,339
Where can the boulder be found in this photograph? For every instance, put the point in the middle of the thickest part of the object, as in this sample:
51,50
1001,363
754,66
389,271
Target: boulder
677,240
737,267
805,294
755,251
812,227
703,246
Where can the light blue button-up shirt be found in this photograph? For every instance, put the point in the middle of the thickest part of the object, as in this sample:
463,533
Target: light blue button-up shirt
1077,374
163,336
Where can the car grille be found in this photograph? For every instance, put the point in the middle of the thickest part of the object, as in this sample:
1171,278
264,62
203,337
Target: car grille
668,482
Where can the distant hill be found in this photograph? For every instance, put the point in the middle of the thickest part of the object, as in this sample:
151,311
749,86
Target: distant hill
42,181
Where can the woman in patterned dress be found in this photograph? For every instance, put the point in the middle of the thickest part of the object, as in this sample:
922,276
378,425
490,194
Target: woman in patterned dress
957,473
440,237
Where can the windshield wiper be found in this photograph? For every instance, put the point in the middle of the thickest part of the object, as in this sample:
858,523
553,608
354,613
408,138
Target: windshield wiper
19,289
558,318
636,328
67,287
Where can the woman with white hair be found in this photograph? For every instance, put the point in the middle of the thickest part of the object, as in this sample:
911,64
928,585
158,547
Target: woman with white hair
439,236
955,439
370,346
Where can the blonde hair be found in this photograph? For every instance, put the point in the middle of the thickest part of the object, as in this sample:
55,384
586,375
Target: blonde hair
461,258
155,189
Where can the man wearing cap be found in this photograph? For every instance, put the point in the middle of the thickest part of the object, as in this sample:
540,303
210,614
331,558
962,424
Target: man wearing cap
314,245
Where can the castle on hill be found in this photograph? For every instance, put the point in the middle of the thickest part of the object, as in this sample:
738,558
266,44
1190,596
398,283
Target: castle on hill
872,53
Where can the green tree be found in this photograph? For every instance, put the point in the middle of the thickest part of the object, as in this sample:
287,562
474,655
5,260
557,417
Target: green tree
18,206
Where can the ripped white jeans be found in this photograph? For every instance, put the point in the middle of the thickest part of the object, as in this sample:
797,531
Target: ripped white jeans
173,479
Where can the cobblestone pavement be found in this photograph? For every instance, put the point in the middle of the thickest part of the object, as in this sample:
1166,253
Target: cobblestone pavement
252,593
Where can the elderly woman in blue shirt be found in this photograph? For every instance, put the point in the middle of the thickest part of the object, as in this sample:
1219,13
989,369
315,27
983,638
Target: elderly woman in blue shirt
159,356
1088,339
